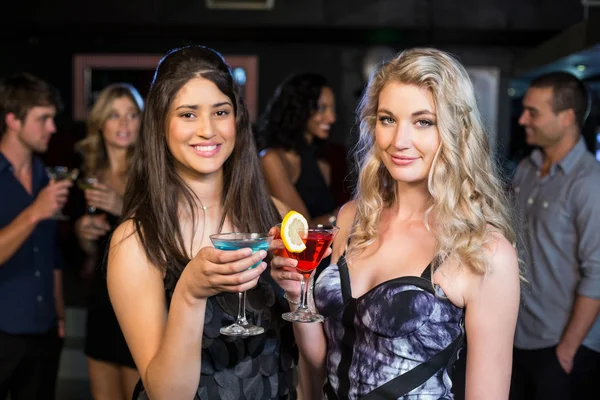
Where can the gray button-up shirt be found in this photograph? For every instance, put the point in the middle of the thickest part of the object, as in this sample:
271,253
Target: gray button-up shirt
560,217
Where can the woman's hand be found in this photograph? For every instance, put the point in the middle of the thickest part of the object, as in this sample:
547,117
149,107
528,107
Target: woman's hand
283,269
213,271
91,227
105,198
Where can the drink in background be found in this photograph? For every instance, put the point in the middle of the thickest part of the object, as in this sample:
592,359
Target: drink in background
86,184
61,173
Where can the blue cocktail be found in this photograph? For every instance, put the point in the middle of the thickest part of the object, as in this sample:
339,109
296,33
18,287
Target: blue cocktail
236,241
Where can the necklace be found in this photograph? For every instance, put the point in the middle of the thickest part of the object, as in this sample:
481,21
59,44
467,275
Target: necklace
204,208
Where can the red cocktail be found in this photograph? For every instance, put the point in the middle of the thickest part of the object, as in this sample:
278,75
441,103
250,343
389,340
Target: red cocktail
317,241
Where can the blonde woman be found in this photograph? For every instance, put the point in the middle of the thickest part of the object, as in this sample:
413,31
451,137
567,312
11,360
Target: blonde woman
425,251
113,130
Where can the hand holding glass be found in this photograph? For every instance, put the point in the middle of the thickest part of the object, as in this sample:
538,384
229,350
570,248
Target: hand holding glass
60,173
86,184
317,240
236,241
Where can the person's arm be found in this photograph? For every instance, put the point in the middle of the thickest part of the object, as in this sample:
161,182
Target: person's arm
283,189
88,229
282,208
584,314
105,198
279,183
167,348
48,202
587,301
491,306
310,338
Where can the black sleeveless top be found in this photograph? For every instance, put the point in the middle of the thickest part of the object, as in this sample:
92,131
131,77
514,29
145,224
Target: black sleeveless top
311,185
104,339
254,368
391,329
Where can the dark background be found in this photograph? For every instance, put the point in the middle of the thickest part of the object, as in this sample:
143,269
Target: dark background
327,36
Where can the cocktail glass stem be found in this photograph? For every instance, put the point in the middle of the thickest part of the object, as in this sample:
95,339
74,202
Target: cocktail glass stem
241,316
303,295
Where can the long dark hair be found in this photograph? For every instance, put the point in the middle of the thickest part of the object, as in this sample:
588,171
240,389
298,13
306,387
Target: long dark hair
155,188
283,122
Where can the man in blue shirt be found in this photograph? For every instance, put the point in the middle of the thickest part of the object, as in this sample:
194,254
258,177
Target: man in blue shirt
31,306
557,339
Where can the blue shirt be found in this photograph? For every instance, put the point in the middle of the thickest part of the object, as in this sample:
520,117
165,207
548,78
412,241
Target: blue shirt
561,220
27,278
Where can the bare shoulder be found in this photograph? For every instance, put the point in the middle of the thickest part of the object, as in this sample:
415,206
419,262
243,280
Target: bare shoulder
346,214
502,275
125,238
127,251
281,206
344,222
275,166
271,155
463,284
124,231
501,255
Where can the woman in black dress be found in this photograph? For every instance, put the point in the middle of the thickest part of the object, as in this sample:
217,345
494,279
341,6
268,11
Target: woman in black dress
197,173
113,129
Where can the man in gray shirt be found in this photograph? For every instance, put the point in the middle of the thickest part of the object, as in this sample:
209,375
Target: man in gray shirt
557,189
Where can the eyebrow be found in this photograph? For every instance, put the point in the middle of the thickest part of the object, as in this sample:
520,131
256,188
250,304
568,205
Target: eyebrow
196,106
415,114
530,108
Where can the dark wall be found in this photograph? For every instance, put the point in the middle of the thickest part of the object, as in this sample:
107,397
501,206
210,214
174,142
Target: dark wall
327,36
508,15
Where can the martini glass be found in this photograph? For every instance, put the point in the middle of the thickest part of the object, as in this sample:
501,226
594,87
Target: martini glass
235,241
86,184
61,173
317,240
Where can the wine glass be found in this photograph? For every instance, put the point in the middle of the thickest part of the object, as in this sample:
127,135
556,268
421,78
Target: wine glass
60,173
317,240
84,184
235,241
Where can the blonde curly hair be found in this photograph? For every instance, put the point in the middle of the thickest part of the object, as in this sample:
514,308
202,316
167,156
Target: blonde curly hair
467,195
92,148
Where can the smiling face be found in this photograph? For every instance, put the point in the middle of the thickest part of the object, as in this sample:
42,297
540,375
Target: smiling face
406,133
200,128
122,127
543,127
319,124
